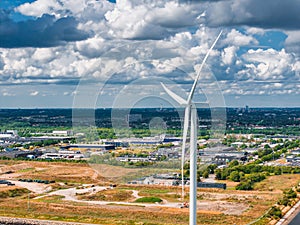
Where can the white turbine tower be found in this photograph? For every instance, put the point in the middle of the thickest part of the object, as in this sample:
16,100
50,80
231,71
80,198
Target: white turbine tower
190,115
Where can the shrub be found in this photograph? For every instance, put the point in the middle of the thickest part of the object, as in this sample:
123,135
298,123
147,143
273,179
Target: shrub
275,212
205,174
245,185
290,194
235,176
284,201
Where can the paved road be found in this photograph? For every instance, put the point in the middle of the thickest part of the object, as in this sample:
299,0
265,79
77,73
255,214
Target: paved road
296,220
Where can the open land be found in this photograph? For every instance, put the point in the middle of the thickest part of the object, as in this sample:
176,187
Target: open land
80,194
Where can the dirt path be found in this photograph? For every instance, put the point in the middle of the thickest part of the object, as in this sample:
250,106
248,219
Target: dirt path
33,187
215,206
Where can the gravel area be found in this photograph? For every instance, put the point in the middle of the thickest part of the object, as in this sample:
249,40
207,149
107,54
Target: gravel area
20,221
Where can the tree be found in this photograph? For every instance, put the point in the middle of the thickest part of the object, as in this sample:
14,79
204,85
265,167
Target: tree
205,174
233,163
243,146
218,174
245,185
277,171
211,168
235,176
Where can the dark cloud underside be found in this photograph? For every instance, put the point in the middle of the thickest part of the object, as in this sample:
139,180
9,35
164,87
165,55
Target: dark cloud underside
42,32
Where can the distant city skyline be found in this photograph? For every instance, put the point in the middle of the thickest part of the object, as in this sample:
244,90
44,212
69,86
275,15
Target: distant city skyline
49,48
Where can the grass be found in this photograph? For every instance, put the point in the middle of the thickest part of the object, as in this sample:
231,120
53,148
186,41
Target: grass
148,200
51,199
171,193
25,170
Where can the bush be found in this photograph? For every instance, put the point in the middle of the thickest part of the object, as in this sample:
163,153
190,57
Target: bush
245,185
256,177
275,212
290,194
284,201
205,174
235,176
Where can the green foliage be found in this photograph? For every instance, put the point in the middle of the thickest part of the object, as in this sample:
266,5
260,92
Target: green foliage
148,200
256,177
235,176
284,201
167,145
287,197
249,181
211,168
218,174
233,163
275,212
277,171
245,185
41,143
290,194
205,174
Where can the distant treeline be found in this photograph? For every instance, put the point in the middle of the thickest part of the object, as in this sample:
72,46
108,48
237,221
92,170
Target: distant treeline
239,120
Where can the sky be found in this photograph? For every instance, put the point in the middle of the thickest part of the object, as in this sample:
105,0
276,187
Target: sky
99,53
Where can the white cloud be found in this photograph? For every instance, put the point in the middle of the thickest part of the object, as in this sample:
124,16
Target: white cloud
228,55
269,64
34,93
237,39
92,47
292,42
167,33
44,54
40,7
5,93
255,30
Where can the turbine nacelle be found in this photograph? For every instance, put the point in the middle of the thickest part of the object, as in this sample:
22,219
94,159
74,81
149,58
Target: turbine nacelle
182,102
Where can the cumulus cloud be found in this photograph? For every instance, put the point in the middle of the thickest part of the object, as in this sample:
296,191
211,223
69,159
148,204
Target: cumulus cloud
40,7
255,13
292,42
229,55
69,40
151,19
269,64
237,39
44,31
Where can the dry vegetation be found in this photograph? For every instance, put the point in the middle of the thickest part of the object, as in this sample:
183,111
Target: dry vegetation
215,206
108,195
60,172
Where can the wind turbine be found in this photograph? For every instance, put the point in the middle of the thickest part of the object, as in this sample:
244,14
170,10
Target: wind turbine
190,115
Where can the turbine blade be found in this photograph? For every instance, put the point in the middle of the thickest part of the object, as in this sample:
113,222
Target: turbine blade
184,137
201,66
177,98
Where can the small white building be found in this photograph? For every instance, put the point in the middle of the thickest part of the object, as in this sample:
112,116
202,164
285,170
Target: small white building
62,132
5,135
13,132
